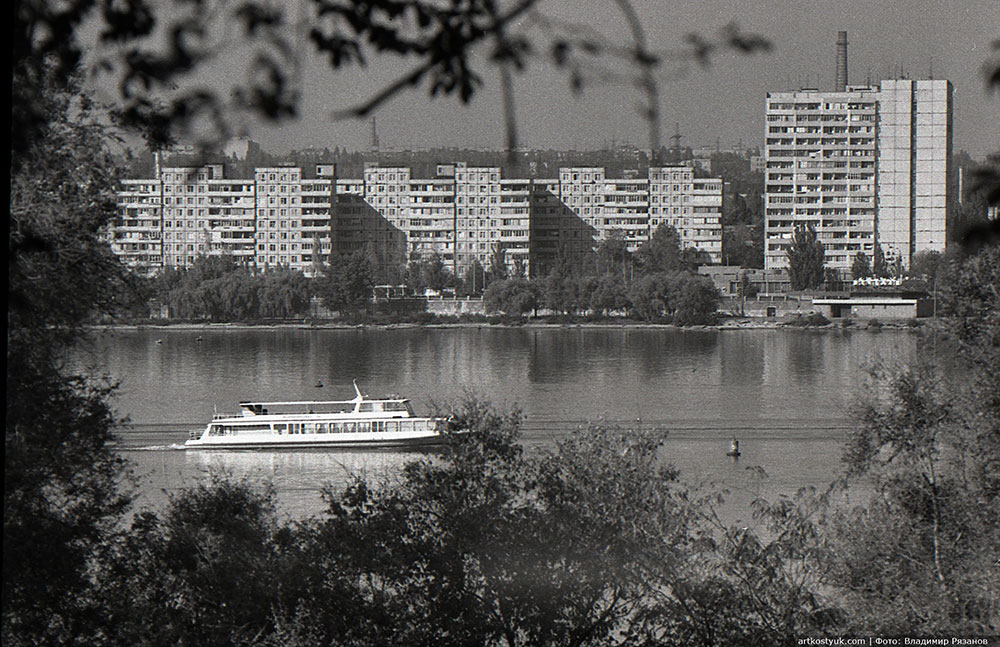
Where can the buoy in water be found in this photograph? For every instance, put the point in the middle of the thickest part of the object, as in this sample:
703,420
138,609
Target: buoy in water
734,449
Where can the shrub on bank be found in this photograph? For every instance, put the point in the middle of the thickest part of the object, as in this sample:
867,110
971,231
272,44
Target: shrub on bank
814,320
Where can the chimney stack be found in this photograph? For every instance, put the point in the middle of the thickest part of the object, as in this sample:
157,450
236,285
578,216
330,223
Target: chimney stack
841,80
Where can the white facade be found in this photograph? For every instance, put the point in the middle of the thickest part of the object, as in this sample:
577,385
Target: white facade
914,166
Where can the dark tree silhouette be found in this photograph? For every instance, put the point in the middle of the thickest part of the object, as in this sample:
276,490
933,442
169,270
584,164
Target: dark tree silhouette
805,259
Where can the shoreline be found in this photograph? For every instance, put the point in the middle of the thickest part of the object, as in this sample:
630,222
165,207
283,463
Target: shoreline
742,324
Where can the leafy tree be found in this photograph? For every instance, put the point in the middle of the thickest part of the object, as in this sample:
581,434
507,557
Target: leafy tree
805,259
519,270
915,557
608,294
694,299
861,267
213,569
429,272
879,267
650,296
511,296
474,281
924,264
61,477
560,287
743,245
347,281
661,253
498,263
284,293
613,256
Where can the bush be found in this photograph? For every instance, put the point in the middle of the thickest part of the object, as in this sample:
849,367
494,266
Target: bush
846,322
817,319
813,320
874,324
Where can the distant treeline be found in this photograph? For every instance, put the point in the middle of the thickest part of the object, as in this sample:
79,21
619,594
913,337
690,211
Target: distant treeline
658,282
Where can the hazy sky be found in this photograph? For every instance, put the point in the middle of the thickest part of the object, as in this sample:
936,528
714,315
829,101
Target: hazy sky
724,101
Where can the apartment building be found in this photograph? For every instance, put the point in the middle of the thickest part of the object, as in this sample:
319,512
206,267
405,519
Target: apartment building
291,217
138,235
865,166
820,159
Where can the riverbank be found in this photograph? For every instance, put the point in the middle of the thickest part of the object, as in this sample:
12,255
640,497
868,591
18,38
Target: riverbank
738,323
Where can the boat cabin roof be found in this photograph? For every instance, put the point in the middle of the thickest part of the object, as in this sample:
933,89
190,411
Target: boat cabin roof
329,403
357,405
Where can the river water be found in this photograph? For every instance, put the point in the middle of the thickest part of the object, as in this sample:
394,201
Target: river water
785,394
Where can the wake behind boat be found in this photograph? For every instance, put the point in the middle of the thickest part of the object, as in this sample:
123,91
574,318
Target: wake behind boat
360,422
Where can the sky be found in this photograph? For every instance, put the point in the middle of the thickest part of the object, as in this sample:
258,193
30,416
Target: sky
723,103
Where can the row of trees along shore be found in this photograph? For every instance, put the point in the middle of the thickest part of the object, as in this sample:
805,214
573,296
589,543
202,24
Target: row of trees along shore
656,283
593,541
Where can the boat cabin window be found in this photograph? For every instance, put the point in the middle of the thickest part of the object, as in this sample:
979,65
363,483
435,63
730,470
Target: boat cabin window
366,407
397,405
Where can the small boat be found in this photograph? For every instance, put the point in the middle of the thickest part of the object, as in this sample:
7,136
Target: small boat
360,422
734,449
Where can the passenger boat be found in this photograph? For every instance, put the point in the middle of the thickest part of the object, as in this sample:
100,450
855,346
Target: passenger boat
360,422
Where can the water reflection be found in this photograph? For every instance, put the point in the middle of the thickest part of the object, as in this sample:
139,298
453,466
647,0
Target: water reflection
302,470
774,388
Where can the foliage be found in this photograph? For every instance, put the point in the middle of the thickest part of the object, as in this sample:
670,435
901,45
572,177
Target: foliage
607,294
474,280
879,267
61,489
498,263
650,296
613,256
917,557
591,542
347,281
743,245
152,52
214,569
684,299
805,259
925,265
429,273
861,267
216,288
511,296
661,253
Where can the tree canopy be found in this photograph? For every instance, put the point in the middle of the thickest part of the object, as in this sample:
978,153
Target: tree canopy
805,259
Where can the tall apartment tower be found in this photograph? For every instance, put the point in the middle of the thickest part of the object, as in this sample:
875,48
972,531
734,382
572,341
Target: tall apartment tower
914,166
820,156
863,165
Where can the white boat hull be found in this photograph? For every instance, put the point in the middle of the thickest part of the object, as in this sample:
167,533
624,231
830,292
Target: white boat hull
304,441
